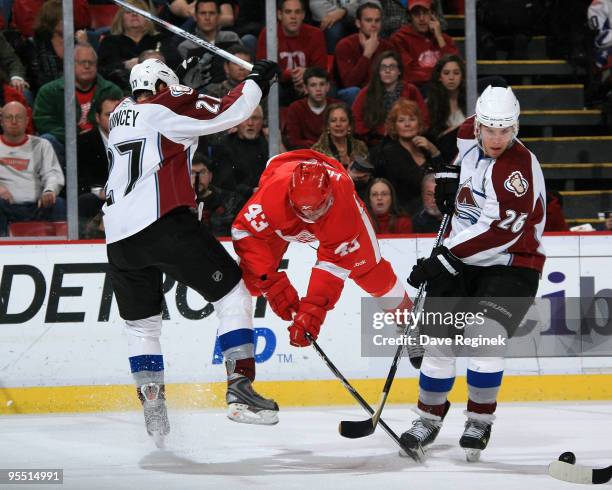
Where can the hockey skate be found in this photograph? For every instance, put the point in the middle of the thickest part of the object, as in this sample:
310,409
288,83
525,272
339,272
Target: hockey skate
153,399
246,406
424,431
476,434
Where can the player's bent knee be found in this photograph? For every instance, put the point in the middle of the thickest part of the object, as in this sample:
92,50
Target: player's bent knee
145,327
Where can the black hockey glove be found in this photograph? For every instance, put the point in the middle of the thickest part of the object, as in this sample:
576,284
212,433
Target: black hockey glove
441,265
447,183
262,74
195,72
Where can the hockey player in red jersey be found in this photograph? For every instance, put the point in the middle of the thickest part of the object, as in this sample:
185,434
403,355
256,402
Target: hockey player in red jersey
306,196
496,194
150,231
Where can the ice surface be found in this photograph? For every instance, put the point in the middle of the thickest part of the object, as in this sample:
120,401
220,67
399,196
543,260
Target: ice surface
206,450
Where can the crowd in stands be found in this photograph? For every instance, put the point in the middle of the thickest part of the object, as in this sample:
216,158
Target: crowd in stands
377,84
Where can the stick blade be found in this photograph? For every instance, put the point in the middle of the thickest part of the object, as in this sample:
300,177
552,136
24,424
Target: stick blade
570,472
353,429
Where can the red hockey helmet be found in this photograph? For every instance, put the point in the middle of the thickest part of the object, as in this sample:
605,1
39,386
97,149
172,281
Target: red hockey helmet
310,192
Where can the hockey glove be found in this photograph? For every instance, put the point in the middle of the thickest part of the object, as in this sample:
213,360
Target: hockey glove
441,265
308,320
262,74
281,295
447,183
195,72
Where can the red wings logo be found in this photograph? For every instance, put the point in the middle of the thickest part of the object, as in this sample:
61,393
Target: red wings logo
517,184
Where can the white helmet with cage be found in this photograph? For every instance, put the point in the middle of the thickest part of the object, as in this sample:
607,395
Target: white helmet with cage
144,76
497,107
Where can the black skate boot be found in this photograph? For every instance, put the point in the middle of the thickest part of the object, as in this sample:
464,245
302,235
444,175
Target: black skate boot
476,434
424,430
244,404
153,399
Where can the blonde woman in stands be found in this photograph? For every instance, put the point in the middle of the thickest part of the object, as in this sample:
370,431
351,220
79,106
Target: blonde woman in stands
338,138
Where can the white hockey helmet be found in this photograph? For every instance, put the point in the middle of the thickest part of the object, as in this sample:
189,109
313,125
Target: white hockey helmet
144,76
498,107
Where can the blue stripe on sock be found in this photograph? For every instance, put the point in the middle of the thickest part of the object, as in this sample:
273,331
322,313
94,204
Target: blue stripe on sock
435,385
235,338
147,363
484,380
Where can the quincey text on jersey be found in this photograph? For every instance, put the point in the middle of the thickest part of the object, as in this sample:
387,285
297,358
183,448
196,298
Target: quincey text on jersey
124,117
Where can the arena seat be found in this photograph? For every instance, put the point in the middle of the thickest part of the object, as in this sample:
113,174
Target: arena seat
38,228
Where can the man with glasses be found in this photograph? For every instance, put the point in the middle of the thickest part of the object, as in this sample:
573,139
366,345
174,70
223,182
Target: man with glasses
90,89
30,175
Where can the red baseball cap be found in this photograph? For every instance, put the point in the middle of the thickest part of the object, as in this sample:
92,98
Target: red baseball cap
419,3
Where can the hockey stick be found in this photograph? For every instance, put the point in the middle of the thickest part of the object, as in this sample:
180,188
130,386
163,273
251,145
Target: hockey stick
573,473
354,429
180,32
416,456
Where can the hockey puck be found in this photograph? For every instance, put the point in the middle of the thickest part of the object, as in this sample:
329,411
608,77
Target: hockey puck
568,457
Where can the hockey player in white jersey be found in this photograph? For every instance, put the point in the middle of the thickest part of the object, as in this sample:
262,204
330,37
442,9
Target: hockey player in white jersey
493,251
150,231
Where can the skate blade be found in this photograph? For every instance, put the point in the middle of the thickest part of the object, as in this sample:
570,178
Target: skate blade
239,412
417,455
472,455
158,439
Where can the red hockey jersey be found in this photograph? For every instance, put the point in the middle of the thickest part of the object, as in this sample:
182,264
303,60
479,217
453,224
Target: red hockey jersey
267,222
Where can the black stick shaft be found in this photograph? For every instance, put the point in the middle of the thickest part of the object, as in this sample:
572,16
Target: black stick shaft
354,393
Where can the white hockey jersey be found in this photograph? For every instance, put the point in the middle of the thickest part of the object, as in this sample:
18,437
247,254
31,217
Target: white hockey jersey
150,147
600,20
500,208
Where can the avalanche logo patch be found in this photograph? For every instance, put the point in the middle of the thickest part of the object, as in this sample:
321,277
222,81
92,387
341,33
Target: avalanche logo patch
517,184
178,90
465,204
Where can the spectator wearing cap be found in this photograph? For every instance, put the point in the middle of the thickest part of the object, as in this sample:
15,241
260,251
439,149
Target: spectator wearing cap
355,52
405,155
337,139
361,172
422,43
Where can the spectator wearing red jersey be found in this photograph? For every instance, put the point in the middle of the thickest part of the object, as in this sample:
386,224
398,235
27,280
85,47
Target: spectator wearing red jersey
354,53
374,102
386,217
300,46
305,117
422,43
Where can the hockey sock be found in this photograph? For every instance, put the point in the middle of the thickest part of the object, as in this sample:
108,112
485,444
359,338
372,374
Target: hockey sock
244,367
484,384
144,349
